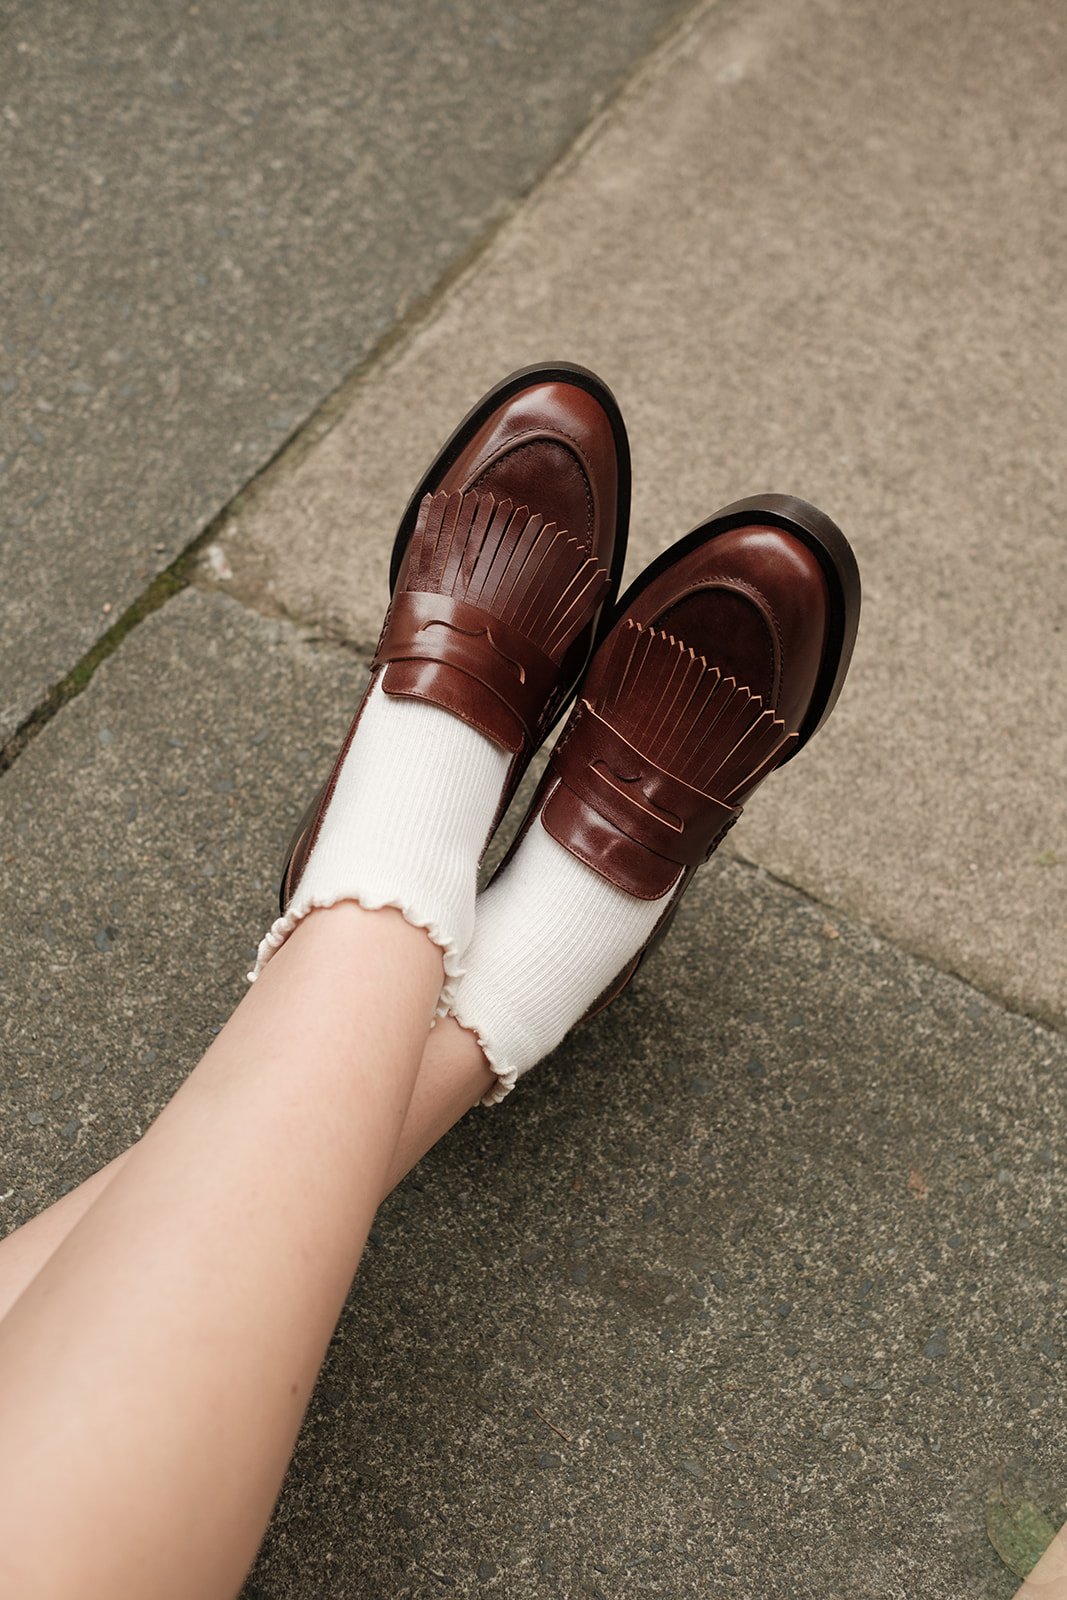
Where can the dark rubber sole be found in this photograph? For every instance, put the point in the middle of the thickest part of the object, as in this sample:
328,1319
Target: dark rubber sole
825,539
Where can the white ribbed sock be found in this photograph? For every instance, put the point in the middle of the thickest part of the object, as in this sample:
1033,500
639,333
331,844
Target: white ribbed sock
549,936
406,824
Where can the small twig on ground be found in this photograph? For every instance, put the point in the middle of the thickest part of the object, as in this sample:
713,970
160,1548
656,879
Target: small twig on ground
440,1576
564,1436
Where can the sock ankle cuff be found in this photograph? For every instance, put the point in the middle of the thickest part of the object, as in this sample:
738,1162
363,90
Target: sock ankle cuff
408,818
450,946
550,935
491,1040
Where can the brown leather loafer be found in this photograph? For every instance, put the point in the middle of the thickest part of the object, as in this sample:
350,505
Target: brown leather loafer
509,550
722,660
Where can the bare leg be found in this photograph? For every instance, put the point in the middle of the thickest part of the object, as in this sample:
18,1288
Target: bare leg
24,1251
154,1373
452,1077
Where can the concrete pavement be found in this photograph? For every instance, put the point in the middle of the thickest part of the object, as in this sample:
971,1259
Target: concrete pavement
211,215
856,298
755,1287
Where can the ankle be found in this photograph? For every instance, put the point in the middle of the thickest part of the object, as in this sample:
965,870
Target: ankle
550,936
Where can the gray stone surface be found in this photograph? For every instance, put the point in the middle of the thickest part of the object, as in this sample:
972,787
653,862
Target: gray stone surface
817,247
142,833
211,213
775,1243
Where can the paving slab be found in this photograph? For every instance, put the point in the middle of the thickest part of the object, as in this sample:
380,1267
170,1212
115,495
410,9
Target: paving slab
756,1287
817,247
212,213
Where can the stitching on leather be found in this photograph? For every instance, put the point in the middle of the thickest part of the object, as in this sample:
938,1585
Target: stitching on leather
567,734
543,432
587,471
757,594
536,436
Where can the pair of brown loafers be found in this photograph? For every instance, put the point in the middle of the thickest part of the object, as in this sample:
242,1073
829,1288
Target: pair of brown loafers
716,666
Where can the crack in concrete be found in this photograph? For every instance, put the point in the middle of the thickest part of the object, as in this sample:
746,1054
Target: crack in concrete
318,422
187,568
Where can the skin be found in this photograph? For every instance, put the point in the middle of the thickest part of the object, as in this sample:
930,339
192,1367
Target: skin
172,1319
94,1557
453,1077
